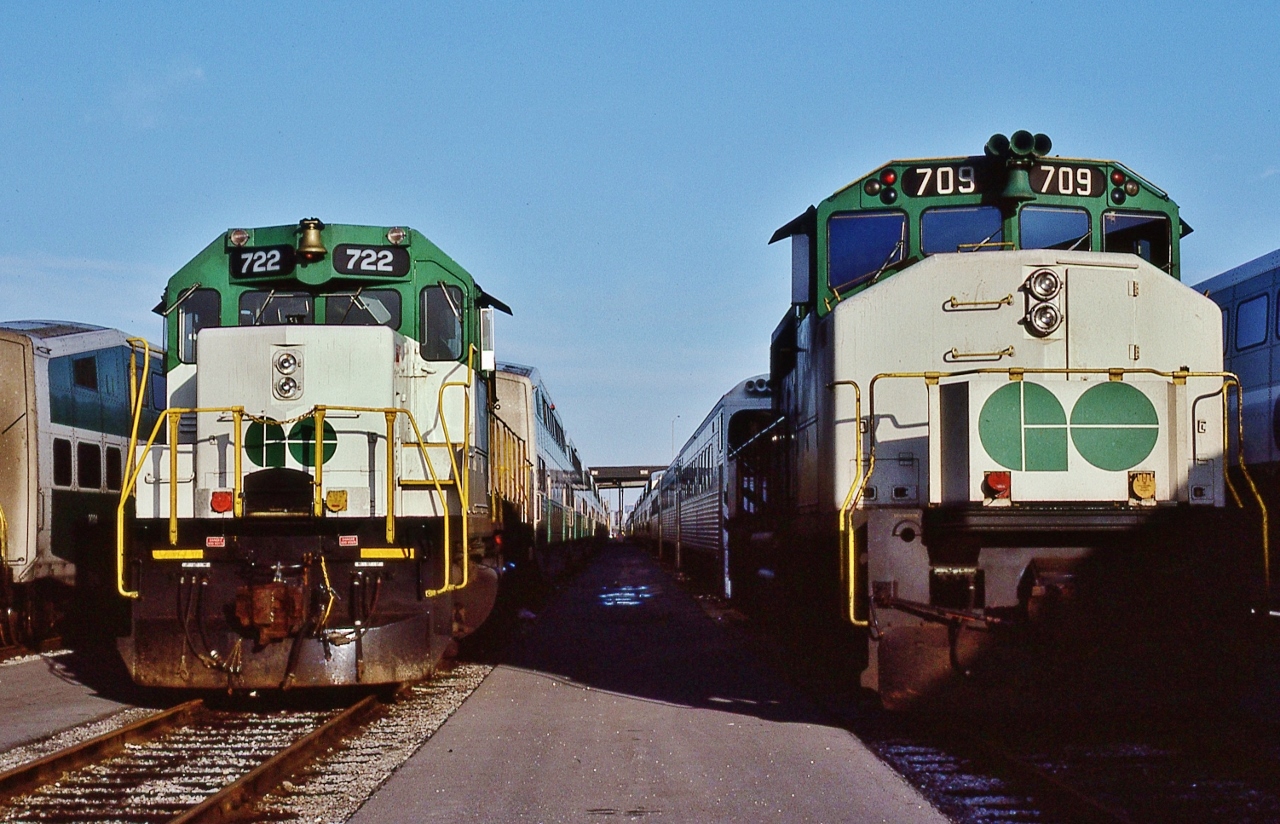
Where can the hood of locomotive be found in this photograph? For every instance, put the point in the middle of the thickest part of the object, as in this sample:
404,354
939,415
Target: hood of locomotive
279,374
1082,437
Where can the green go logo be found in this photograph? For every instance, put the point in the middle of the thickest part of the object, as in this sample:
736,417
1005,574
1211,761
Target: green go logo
1023,426
265,443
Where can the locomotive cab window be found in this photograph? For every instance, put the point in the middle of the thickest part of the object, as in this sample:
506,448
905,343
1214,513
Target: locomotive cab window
366,307
1145,234
961,229
275,308
1054,227
441,322
201,310
861,245
1251,322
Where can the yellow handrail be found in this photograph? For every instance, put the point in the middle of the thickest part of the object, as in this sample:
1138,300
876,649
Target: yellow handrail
461,474
464,480
849,535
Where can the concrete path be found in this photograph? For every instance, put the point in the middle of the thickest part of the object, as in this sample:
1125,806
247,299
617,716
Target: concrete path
626,701
41,696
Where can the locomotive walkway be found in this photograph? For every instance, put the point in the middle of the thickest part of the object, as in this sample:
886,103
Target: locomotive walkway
626,701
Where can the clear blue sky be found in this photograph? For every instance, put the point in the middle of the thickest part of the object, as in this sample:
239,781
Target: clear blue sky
612,171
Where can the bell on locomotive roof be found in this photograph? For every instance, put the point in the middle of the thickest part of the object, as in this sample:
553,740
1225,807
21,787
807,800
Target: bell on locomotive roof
310,244
1018,185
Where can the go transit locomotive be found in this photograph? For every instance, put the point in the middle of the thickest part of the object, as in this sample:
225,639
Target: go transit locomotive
989,373
317,504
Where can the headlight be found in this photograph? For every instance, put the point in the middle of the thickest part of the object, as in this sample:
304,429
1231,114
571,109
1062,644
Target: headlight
287,388
286,363
1044,284
1044,318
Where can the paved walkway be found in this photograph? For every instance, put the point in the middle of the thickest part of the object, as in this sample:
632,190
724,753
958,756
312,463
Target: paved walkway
626,701
41,696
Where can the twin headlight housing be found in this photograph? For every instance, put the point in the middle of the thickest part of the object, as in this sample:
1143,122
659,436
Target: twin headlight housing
286,383
1043,315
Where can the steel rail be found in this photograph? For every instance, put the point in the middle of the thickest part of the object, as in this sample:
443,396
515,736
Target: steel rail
228,803
1063,796
27,777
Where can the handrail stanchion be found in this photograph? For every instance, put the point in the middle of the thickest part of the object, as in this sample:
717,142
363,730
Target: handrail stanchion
173,417
237,501
391,476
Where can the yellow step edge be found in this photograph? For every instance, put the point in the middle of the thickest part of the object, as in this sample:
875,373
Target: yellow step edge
387,552
177,554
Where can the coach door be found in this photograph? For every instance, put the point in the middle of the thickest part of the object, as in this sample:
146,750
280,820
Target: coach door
17,448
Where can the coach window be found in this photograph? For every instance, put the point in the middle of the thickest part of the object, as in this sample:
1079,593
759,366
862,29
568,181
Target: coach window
861,245
89,465
1226,325
961,229
1251,322
275,308
441,322
1145,234
115,471
200,310
1053,227
61,462
365,307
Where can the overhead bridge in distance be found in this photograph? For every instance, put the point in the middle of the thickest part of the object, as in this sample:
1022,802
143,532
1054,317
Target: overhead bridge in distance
620,478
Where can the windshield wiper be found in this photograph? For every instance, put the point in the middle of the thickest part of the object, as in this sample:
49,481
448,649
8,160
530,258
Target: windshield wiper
897,247
1080,240
973,247
257,316
457,313
355,300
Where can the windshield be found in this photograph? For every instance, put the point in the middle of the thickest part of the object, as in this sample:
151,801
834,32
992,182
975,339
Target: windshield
276,308
962,229
1145,234
1052,227
200,310
861,245
363,307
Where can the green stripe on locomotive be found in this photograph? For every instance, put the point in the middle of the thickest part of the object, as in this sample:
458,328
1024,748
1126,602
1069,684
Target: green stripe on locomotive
229,269
1016,186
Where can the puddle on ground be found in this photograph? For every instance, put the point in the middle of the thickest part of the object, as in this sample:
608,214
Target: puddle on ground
616,595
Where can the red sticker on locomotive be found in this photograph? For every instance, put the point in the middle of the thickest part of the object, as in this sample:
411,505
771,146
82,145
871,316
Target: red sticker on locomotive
348,540
215,542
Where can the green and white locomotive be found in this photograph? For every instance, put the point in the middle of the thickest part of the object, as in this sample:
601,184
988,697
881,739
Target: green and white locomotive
318,503
990,371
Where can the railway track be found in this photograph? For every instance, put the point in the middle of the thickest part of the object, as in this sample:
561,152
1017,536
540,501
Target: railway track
187,764
1089,772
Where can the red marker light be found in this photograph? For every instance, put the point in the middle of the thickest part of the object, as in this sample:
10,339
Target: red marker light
888,177
997,484
221,501
1117,178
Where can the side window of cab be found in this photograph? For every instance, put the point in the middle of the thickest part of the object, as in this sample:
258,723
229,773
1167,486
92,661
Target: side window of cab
440,322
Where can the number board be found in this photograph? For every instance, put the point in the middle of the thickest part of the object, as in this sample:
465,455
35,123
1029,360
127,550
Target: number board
353,259
1067,180
947,179
263,261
